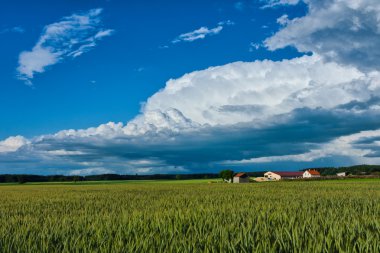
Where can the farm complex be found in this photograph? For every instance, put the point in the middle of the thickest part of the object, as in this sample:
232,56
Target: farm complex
291,174
277,175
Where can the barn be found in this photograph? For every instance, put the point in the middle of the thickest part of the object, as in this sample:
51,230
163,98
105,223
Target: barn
241,178
278,175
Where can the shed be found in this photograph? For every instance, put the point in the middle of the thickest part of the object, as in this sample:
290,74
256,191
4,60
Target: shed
241,178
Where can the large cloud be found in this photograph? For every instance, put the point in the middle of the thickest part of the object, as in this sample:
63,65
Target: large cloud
234,112
258,91
344,31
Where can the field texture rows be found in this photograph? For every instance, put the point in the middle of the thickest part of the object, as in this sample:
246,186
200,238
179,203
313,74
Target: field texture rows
320,216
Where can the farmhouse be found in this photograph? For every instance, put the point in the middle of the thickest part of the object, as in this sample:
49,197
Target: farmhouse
241,178
278,175
311,174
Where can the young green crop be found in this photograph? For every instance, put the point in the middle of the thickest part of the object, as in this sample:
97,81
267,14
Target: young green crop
315,216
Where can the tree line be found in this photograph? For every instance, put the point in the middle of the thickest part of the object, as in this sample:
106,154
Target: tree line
24,178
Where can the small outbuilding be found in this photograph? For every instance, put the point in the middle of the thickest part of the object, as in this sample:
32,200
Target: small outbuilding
241,178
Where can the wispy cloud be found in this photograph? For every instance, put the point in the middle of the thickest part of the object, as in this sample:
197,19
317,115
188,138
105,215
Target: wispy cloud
226,22
68,38
255,46
91,171
275,3
163,47
16,29
140,69
200,33
239,6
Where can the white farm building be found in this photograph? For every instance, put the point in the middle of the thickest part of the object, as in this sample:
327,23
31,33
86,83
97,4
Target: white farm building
341,174
278,175
311,174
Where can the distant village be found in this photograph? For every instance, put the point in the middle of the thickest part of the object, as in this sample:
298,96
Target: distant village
279,175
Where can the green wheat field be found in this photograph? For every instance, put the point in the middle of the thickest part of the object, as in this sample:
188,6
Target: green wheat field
191,216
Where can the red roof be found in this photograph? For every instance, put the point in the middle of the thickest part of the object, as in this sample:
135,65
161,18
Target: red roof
241,174
314,172
289,173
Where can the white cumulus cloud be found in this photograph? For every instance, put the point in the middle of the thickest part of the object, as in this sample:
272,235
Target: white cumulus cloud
344,31
12,144
257,91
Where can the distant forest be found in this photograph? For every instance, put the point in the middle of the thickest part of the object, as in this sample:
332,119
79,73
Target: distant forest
325,171
23,178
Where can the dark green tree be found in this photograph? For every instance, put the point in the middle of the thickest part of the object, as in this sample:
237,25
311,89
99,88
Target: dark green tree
21,179
226,174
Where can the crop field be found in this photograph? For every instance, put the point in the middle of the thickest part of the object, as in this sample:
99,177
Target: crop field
315,216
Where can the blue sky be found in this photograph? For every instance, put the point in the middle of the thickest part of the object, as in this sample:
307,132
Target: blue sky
197,85
127,67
